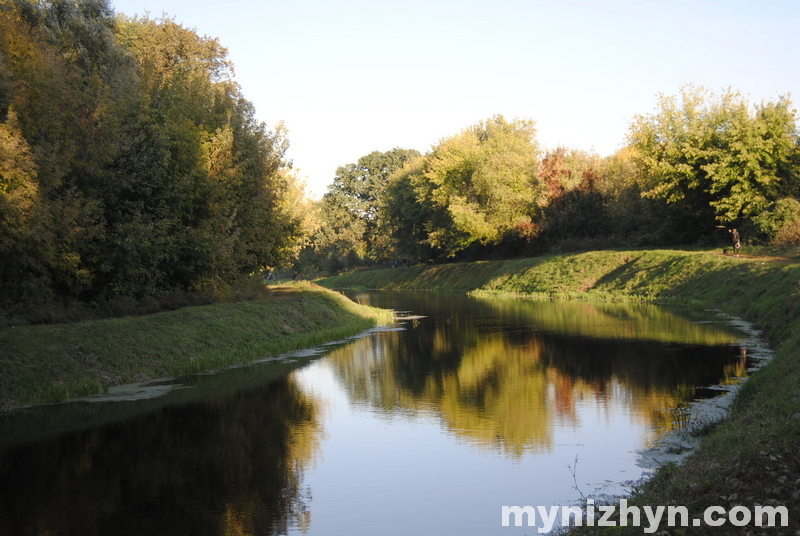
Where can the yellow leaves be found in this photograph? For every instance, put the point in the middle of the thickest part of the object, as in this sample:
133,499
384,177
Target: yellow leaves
717,150
483,179
468,218
167,50
18,188
297,209
218,155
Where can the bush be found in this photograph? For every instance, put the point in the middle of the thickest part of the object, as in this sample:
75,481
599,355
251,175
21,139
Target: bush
781,221
788,235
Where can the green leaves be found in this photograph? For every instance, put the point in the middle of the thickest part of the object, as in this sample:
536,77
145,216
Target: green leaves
718,154
131,163
351,227
480,184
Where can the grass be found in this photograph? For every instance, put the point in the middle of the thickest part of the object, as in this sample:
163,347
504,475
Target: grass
51,363
751,458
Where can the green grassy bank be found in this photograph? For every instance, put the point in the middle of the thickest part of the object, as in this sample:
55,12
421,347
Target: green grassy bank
50,363
753,458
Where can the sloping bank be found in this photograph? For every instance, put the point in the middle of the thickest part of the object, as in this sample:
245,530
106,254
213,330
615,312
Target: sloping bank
753,458
50,363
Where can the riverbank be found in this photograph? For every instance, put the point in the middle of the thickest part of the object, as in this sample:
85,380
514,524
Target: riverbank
51,363
753,457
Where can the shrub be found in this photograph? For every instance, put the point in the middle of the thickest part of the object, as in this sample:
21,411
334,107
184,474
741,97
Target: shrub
781,221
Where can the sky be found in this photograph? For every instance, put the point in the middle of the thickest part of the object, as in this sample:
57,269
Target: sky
350,77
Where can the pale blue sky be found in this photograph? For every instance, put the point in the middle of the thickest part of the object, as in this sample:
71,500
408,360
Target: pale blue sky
350,77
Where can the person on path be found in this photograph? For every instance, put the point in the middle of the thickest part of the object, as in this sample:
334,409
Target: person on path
737,243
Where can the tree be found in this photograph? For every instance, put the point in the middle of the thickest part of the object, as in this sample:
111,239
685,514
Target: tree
480,184
403,218
350,216
361,184
718,158
131,164
225,171
339,240
65,82
19,197
574,202
632,218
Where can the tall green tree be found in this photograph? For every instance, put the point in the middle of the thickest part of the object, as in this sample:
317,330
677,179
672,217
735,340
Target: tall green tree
403,219
222,173
68,82
350,216
480,184
132,164
718,158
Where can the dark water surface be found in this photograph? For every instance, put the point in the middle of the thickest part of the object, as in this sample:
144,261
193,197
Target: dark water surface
426,428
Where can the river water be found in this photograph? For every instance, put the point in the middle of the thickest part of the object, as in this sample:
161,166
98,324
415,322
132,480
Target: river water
427,427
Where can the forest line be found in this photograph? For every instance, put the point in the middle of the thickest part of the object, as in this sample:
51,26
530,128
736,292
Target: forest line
135,175
699,167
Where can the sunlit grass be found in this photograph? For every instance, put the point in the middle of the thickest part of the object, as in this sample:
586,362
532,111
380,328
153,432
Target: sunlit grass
49,363
695,277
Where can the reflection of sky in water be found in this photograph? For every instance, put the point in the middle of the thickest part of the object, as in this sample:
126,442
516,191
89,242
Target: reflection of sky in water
383,472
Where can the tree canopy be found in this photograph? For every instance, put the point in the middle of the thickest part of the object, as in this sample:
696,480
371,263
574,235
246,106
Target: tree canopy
721,159
480,184
351,230
131,164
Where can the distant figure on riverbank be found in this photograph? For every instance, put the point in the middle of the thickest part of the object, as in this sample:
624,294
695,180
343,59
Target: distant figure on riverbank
737,243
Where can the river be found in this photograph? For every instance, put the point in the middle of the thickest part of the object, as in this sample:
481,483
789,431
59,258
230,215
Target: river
426,427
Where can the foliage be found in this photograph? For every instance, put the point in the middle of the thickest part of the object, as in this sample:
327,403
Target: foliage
634,219
133,167
350,219
700,163
339,241
131,164
715,157
402,216
575,205
479,184
360,185
781,221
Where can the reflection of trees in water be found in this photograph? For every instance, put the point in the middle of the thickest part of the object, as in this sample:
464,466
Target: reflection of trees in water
504,386
608,320
229,466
